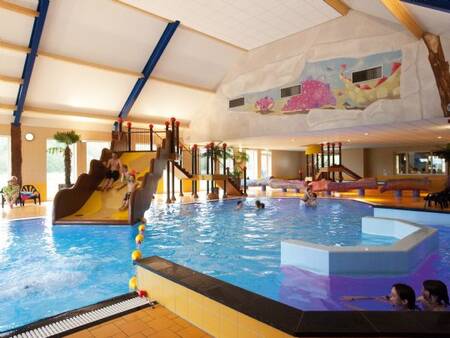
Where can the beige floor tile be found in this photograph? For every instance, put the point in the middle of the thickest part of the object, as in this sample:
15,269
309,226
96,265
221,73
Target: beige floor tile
132,327
191,332
164,334
104,331
81,334
159,324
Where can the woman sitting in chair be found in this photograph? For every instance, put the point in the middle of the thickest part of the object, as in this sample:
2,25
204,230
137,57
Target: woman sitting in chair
12,191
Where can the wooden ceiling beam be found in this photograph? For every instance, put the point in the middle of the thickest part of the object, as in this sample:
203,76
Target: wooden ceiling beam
7,106
107,116
89,64
339,6
436,55
401,13
14,47
23,49
11,79
18,9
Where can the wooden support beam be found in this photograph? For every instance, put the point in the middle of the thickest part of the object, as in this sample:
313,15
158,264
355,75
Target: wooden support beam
440,69
105,116
18,9
11,79
89,64
14,47
399,11
435,53
7,106
24,49
339,6
16,151
182,84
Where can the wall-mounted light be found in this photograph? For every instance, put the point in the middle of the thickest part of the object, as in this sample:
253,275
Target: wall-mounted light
29,137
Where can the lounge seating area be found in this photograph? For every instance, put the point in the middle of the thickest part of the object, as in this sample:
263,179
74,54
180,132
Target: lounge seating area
27,192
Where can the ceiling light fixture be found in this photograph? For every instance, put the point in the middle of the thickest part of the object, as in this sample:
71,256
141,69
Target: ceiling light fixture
366,134
348,141
439,137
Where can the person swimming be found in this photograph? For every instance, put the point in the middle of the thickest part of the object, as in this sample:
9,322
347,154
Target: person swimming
239,205
402,298
434,296
310,197
259,204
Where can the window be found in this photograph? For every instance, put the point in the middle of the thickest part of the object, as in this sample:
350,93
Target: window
291,91
419,163
55,168
367,74
5,160
266,163
236,102
252,164
94,151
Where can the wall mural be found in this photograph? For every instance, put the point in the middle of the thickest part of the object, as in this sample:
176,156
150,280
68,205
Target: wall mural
328,85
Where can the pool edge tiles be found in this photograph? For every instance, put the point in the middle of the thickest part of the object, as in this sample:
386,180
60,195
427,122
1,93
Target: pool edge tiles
224,310
415,243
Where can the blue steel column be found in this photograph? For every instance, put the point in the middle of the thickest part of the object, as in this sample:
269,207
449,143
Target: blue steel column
36,33
151,63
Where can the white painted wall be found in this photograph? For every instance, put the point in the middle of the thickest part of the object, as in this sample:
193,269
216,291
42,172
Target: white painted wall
281,62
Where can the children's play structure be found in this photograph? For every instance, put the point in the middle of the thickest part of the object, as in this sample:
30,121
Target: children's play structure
148,152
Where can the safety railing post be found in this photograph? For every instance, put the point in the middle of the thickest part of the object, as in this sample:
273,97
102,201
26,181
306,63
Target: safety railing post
151,136
193,169
172,146
129,135
173,181
224,149
245,181
168,182
177,125
207,168
196,169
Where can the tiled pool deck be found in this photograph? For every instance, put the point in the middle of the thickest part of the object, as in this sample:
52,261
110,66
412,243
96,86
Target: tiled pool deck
156,323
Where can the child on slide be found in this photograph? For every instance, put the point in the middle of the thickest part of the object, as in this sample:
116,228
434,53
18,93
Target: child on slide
131,187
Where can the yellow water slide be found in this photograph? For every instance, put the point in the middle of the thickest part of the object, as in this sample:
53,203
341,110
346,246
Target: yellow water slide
103,206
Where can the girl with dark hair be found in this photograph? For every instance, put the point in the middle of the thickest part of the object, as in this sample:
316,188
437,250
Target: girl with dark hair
402,298
434,296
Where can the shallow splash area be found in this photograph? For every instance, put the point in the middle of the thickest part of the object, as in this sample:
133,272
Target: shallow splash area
45,269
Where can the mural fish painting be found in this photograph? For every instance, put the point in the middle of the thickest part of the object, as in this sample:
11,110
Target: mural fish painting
331,84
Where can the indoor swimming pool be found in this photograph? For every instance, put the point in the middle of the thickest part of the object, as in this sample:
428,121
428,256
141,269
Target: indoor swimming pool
45,269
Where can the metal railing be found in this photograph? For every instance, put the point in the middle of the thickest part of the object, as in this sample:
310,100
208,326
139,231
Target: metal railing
135,139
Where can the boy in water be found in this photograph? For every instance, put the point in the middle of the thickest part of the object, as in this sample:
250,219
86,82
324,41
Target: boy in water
131,187
114,167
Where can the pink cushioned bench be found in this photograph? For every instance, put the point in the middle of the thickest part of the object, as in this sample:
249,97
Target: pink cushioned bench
400,184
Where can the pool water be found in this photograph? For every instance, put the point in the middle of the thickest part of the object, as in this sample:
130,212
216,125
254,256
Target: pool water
45,270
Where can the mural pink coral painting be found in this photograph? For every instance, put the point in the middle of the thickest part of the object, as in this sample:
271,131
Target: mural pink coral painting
314,94
264,105
331,84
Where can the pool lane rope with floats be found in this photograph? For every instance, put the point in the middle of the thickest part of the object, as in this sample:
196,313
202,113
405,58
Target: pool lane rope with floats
136,255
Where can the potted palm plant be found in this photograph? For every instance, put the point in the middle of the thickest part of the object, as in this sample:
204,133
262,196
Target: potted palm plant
66,138
444,153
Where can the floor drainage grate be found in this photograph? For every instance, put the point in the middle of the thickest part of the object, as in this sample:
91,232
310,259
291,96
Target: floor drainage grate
71,324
